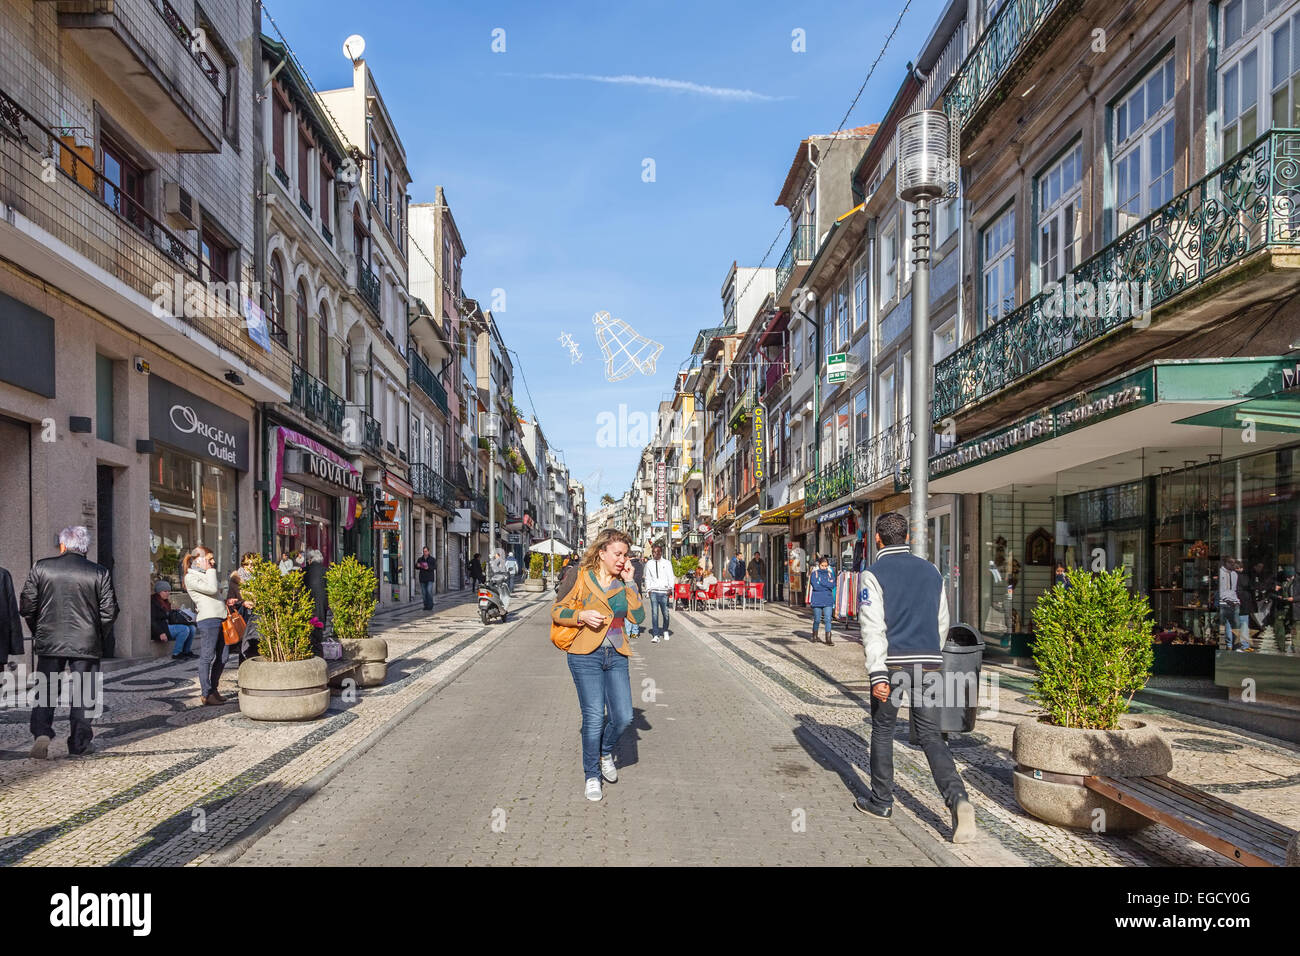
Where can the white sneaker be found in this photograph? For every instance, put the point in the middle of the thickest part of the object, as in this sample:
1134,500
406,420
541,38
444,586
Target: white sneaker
593,789
41,748
655,639
667,634
607,769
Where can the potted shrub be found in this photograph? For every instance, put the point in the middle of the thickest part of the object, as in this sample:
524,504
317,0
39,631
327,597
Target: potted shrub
351,588
285,680
535,564
1094,652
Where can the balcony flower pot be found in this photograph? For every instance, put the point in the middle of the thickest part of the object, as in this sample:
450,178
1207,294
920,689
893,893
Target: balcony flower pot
1093,649
283,690
285,680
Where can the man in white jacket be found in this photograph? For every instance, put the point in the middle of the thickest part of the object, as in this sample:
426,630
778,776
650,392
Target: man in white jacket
659,585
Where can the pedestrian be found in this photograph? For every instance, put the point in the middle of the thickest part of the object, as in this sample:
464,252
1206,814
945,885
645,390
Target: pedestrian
1230,606
199,572
69,605
475,571
903,616
757,569
427,566
11,626
822,584
168,624
314,580
1060,579
244,608
796,562
568,574
638,571
659,586
512,571
286,562
605,597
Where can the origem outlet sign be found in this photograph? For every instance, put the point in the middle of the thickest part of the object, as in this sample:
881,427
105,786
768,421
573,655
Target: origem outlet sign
185,421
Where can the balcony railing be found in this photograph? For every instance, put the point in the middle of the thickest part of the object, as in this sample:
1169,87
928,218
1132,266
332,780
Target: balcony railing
799,250
744,406
874,460
49,179
368,285
315,399
431,486
187,38
997,49
365,431
1249,203
772,374
423,376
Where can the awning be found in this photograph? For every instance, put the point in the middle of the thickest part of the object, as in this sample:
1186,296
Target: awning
1279,412
783,514
835,513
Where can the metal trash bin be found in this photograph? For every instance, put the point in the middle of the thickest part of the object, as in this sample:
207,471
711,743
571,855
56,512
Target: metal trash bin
963,654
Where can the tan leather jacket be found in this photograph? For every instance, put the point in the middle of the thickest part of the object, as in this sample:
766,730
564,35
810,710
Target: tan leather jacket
566,612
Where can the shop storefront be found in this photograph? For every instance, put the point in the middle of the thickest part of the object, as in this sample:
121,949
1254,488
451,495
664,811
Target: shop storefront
313,495
394,499
199,453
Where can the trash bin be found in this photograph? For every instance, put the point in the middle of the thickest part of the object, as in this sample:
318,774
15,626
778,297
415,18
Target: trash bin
963,653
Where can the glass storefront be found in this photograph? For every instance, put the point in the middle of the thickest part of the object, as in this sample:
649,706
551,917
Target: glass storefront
191,503
304,521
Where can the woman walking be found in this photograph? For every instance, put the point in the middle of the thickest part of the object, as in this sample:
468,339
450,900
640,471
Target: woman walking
822,583
604,598
314,582
199,572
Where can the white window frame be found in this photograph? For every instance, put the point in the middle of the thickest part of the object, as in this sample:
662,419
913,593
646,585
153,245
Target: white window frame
1000,265
885,410
861,291
843,308
1060,213
1136,147
1251,57
888,265
796,346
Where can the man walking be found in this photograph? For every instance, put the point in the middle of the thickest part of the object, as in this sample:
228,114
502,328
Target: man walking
11,625
659,582
426,565
757,569
512,569
904,620
69,606
1230,607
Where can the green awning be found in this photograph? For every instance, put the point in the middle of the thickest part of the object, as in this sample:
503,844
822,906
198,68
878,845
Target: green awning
1279,412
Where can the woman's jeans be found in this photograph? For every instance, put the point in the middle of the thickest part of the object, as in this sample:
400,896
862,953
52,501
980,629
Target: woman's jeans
211,646
605,698
820,615
182,635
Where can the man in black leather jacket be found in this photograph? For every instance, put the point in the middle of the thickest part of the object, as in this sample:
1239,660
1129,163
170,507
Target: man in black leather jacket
69,606
11,625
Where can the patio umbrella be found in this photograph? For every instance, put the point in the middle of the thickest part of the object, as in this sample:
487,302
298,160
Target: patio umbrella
551,546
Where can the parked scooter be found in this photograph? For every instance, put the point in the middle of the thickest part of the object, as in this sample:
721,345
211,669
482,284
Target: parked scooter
493,600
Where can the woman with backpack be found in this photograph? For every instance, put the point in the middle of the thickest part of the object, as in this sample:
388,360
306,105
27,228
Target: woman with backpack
592,624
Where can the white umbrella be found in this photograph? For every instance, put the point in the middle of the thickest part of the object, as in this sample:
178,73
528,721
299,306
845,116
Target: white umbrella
551,546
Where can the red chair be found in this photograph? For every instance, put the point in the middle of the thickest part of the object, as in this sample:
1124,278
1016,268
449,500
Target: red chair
755,592
712,595
681,592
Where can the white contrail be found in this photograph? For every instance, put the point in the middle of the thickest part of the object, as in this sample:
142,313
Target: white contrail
658,82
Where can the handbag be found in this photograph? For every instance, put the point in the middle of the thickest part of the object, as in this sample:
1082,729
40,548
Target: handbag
331,650
232,628
562,635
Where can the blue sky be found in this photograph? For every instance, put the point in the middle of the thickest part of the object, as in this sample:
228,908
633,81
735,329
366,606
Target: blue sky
542,164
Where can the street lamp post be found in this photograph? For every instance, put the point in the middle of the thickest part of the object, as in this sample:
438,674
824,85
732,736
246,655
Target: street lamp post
922,166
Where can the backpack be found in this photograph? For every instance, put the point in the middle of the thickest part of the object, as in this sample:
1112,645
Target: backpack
563,636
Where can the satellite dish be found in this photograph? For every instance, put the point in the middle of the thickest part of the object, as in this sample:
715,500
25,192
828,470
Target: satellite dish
354,46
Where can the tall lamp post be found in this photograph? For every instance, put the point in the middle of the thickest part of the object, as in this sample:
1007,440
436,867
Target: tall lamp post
921,176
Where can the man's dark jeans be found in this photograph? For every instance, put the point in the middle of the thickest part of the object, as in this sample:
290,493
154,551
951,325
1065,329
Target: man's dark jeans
42,723
884,714
426,588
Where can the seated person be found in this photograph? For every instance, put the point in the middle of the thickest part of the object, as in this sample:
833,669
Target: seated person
165,622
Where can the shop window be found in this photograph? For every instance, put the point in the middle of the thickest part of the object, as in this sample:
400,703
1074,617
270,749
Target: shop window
191,503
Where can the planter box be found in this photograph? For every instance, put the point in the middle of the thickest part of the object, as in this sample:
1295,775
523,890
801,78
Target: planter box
373,654
292,690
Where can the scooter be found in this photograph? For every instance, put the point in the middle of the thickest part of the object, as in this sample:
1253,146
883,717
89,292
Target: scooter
493,600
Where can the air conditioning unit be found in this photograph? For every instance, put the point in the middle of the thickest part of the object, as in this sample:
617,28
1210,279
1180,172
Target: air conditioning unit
178,205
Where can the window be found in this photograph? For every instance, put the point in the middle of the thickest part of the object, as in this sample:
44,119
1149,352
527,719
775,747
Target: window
122,185
811,334
828,324
1261,49
785,438
796,346
905,399
861,419
947,217
1284,85
908,265
888,266
103,398
1144,145
861,292
945,340
885,399
304,169
999,267
279,117
843,431
322,344
1060,213
216,255
347,374
842,306
388,196
277,295
374,169
301,306
827,451
326,188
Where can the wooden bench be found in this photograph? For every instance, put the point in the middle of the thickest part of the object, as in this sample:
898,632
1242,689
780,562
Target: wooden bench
1226,829
338,671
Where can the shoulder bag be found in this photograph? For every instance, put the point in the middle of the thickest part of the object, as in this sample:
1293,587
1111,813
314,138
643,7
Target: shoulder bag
232,628
562,636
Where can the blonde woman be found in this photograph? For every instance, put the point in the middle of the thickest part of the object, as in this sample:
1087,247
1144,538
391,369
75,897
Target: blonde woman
199,572
606,598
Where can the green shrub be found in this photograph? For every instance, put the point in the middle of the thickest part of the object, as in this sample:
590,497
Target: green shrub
685,566
557,560
284,610
535,565
1093,649
351,589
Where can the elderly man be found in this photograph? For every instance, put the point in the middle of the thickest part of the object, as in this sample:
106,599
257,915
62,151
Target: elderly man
69,606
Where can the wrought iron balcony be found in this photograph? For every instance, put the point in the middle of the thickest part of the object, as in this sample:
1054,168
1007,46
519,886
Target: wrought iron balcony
431,486
1011,34
423,376
876,459
281,175
743,407
363,431
368,285
1246,206
799,250
315,400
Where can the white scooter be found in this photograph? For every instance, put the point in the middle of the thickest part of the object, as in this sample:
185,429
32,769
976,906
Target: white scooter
494,599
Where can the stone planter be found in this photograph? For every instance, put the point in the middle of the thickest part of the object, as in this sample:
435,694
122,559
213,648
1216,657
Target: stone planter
1052,761
531,584
290,690
373,654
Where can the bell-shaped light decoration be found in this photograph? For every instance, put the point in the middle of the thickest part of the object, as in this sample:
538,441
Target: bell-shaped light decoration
626,351
922,168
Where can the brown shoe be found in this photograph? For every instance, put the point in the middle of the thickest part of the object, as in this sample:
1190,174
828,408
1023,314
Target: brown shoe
213,700
828,639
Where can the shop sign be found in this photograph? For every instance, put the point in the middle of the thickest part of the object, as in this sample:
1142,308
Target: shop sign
1125,394
661,494
386,526
839,512
1291,378
760,448
512,539
303,461
255,323
837,368
185,421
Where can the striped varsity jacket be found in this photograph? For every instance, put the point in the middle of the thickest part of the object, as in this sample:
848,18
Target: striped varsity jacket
902,613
